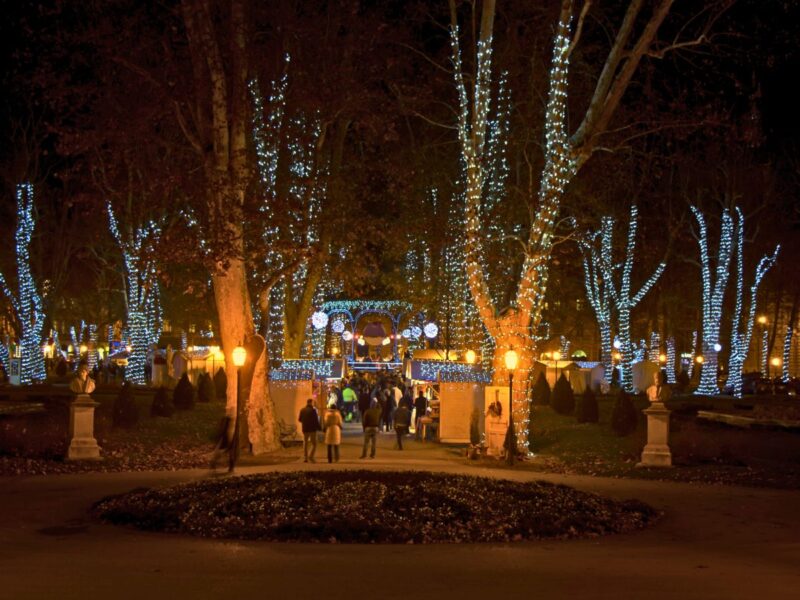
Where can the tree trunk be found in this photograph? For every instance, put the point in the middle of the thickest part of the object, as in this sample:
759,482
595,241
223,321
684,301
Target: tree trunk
236,326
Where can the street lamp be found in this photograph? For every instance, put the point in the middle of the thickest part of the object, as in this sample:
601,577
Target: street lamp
239,356
511,436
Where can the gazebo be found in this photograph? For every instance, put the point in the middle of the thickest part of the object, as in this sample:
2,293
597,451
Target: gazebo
368,325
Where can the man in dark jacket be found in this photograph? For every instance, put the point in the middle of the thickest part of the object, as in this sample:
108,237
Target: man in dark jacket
309,420
421,405
363,403
371,422
402,421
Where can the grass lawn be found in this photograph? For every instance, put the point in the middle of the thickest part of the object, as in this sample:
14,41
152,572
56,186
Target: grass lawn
703,452
36,442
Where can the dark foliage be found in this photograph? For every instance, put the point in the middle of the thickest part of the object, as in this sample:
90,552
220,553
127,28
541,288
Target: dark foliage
205,389
61,368
623,415
369,506
682,381
563,400
162,404
474,428
183,395
221,383
126,412
540,396
587,410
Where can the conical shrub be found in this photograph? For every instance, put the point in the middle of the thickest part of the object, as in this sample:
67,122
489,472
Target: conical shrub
587,410
221,384
623,415
205,389
162,404
563,400
183,395
126,413
540,395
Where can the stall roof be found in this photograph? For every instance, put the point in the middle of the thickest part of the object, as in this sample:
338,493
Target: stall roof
302,368
448,371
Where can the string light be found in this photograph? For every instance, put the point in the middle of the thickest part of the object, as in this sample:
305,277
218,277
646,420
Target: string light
742,329
142,292
787,350
713,295
621,296
27,304
764,353
597,292
671,360
693,354
655,347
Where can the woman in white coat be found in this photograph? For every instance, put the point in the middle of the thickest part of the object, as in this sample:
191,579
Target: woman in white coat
332,423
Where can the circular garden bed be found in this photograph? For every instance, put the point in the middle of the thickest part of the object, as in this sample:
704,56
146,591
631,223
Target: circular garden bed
374,507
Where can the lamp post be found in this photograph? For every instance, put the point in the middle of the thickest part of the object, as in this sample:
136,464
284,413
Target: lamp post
556,357
239,356
511,436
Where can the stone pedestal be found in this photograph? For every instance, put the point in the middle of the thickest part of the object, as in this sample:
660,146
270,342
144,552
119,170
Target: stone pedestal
656,453
82,445
495,436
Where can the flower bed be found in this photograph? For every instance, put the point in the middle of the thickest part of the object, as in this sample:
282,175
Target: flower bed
374,507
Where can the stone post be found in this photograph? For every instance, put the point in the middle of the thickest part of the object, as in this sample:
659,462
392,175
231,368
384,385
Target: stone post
656,453
82,445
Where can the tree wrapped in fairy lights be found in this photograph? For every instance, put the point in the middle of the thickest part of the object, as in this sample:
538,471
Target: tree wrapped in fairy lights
597,289
293,166
142,294
624,301
714,283
742,325
511,326
27,303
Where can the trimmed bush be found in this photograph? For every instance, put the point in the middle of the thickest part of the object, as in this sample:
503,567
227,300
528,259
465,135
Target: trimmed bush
540,395
162,404
623,415
587,410
183,395
61,368
205,389
126,413
221,383
563,399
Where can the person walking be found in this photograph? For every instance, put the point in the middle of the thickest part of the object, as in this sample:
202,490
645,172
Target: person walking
309,420
420,406
402,421
333,431
371,421
363,403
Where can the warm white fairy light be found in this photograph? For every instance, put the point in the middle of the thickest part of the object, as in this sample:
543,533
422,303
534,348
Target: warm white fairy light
27,304
713,295
742,328
142,292
764,353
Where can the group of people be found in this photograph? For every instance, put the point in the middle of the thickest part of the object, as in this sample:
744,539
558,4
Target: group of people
383,403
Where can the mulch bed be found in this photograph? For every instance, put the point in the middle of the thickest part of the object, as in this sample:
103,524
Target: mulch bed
374,507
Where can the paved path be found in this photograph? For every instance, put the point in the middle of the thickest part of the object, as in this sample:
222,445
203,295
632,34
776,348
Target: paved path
713,542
